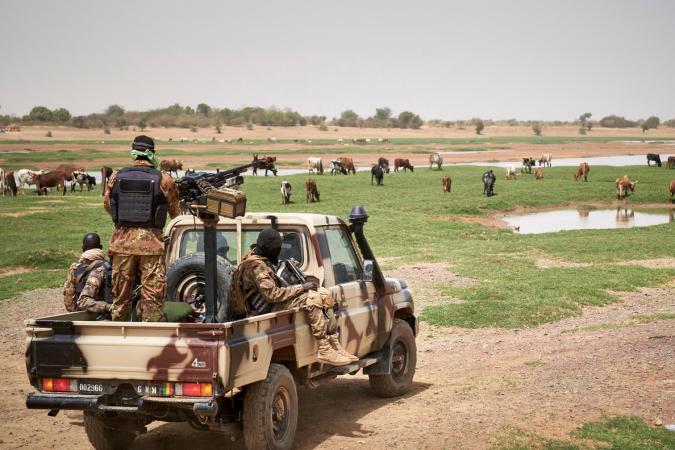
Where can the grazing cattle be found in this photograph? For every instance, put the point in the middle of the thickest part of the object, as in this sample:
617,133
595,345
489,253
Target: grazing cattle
528,163
383,140
359,140
545,160
285,192
265,162
336,167
538,173
9,183
671,162
384,163
68,172
489,180
315,164
671,191
82,178
347,165
312,191
27,177
653,157
624,187
404,164
273,140
582,171
437,159
106,172
511,173
340,141
54,178
377,174
171,165
447,183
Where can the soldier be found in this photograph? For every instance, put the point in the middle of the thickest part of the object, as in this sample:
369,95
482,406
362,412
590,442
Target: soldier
138,198
256,290
87,287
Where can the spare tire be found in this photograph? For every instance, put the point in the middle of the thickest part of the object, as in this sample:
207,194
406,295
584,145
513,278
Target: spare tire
186,281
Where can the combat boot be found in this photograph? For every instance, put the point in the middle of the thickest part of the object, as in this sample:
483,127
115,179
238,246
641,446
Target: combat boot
335,343
327,355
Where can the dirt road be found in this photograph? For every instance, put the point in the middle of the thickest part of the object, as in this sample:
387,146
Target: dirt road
470,384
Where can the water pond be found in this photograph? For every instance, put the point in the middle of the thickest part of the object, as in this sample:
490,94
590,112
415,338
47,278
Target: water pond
586,219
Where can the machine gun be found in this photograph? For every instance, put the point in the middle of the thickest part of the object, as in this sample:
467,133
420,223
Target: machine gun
192,187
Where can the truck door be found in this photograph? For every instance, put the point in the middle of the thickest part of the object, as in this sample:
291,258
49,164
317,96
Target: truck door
357,319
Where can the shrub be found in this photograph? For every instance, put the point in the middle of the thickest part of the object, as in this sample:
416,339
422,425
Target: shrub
409,119
106,130
193,129
582,129
49,134
323,127
537,129
479,124
249,126
616,122
218,130
40,114
348,118
669,123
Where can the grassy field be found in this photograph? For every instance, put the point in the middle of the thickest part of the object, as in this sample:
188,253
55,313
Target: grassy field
411,220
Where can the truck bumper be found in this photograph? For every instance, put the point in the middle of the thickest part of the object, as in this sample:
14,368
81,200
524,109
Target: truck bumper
78,402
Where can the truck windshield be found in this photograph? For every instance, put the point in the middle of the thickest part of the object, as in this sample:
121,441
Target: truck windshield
346,267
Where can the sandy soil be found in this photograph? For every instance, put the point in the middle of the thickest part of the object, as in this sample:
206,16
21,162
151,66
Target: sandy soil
469,383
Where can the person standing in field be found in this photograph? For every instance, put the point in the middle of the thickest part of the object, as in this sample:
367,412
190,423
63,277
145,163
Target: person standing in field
138,198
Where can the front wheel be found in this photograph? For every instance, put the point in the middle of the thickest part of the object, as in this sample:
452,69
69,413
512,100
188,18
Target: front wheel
271,411
402,361
103,435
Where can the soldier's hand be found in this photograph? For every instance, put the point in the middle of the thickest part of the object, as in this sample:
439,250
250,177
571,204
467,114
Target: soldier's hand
309,286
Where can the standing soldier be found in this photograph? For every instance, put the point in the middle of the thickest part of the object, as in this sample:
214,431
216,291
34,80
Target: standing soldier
256,290
138,198
87,287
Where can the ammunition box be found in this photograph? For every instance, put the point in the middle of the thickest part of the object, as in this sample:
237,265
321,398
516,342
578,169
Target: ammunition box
226,202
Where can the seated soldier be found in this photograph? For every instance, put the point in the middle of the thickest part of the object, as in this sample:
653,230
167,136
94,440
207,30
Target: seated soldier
87,287
256,290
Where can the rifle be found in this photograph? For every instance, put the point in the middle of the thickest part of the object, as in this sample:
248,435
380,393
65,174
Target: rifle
192,187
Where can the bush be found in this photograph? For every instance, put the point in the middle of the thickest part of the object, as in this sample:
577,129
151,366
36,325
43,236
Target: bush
348,118
323,127
651,122
537,129
249,126
106,130
49,134
669,123
479,124
218,130
40,114
409,119
582,129
193,129
616,122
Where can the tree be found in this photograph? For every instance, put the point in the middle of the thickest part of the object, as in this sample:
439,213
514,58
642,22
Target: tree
383,113
536,128
409,119
348,118
616,122
203,109
479,124
651,122
61,115
142,123
40,114
114,110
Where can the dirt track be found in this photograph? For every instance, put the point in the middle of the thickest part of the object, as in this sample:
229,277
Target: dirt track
469,383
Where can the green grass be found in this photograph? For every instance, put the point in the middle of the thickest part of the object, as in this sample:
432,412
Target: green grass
411,219
534,363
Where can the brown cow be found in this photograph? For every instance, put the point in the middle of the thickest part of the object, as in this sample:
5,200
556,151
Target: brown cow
447,183
671,190
264,162
171,165
9,183
106,172
402,163
54,178
312,191
348,165
538,173
624,187
582,171
671,162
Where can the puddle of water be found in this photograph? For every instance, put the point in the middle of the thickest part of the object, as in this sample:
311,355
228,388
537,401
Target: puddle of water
584,219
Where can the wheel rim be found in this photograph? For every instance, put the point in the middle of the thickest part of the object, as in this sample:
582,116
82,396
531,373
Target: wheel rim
399,361
281,413
191,290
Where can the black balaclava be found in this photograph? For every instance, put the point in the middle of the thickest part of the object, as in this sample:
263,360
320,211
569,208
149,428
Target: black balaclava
269,245
91,240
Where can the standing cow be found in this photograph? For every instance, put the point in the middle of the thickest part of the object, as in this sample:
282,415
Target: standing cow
404,164
54,178
447,183
538,173
528,163
671,191
312,194
624,187
27,177
336,167
437,159
384,163
582,171
9,183
315,164
347,165
82,178
671,162
106,172
285,192
265,162
171,165
545,160
511,173
377,174
653,157
489,180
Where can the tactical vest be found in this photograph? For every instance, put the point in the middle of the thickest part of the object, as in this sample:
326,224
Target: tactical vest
244,301
136,199
82,273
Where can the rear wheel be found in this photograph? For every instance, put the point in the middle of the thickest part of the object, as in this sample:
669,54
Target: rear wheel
104,435
402,359
271,411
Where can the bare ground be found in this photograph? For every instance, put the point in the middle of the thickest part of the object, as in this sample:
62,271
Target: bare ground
469,383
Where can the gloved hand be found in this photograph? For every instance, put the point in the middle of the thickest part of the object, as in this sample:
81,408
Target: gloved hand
309,286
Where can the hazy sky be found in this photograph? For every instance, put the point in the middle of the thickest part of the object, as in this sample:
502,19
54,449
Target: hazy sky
442,59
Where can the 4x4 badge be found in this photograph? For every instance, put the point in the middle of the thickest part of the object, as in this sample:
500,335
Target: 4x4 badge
199,364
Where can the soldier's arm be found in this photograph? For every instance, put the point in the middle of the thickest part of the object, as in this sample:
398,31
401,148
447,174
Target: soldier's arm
69,290
93,284
170,191
273,294
106,196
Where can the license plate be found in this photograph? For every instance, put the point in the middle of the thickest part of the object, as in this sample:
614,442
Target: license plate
152,389
90,388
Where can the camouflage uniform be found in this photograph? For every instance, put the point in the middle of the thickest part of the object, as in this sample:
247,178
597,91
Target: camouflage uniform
91,298
136,250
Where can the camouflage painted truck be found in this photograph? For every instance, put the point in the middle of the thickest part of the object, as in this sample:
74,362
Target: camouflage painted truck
221,374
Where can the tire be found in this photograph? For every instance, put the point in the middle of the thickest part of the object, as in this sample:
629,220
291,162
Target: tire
271,411
186,279
103,435
402,360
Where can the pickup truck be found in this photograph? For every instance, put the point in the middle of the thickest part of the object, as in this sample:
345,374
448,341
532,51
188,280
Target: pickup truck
221,374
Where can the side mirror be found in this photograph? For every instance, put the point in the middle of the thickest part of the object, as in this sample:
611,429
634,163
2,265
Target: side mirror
368,270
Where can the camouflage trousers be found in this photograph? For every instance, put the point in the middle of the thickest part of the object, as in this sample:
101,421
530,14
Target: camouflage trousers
152,274
85,303
320,315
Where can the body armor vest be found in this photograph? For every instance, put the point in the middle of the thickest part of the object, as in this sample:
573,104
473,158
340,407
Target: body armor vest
82,274
136,199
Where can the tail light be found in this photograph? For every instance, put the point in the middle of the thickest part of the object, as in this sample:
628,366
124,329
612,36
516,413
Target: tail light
59,385
194,389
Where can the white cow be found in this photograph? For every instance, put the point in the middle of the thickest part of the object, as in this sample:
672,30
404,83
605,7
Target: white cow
436,159
285,192
511,172
28,177
315,164
545,160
